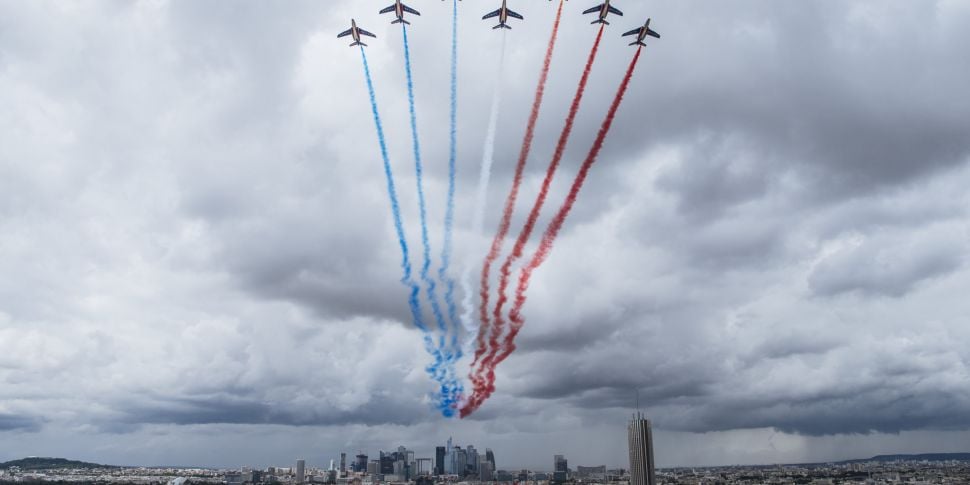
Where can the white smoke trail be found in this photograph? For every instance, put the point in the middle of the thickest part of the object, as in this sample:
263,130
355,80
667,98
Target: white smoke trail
478,219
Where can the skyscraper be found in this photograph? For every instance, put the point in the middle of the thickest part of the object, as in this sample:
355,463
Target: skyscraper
490,457
641,451
343,464
300,471
560,470
439,460
471,460
560,464
449,458
361,463
486,473
460,461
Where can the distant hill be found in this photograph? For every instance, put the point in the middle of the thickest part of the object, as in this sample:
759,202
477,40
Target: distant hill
921,457
38,463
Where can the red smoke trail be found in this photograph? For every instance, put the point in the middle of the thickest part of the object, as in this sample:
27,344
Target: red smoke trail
510,205
545,246
505,272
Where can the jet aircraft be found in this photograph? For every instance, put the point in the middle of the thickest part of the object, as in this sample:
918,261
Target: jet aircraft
503,14
356,32
642,33
604,10
399,9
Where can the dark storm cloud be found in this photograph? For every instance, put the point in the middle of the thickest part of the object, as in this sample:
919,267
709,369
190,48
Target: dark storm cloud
381,408
853,411
799,91
14,422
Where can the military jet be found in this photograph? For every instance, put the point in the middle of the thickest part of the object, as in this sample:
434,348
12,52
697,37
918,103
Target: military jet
642,33
399,9
503,14
604,10
356,32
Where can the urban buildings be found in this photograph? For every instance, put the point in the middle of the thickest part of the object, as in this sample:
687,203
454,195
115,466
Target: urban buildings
300,471
641,451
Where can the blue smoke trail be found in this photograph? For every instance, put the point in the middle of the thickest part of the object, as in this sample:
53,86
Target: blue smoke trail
435,369
449,400
450,205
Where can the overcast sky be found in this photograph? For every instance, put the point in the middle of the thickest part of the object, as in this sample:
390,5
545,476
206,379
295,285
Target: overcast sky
198,267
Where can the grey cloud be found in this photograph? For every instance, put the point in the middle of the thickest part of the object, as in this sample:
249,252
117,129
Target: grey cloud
891,272
14,422
718,173
381,408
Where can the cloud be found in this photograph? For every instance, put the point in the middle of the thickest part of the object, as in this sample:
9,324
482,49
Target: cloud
12,422
884,268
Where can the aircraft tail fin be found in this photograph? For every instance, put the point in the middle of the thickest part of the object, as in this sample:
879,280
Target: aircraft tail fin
400,21
638,43
502,26
358,43
599,21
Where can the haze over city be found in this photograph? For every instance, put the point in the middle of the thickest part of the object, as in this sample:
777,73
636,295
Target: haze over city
200,267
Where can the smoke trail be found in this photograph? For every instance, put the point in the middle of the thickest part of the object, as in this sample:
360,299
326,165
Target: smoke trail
450,204
548,238
435,369
505,271
478,218
503,228
449,400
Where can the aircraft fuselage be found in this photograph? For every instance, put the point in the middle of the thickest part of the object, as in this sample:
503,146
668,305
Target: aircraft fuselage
354,31
604,10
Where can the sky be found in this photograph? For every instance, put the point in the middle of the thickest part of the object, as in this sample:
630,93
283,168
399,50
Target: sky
199,265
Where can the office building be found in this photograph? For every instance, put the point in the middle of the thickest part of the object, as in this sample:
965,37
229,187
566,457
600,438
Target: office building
343,464
361,464
387,462
460,464
490,457
439,460
422,467
486,473
300,471
560,469
471,460
560,464
641,451
592,472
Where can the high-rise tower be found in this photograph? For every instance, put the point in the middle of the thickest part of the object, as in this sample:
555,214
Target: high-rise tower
641,451
439,460
300,471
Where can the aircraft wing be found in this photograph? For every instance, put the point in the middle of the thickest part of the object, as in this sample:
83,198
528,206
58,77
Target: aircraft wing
616,10
492,14
411,10
388,9
593,9
651,33
633,32
513,14
364,32
344,33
